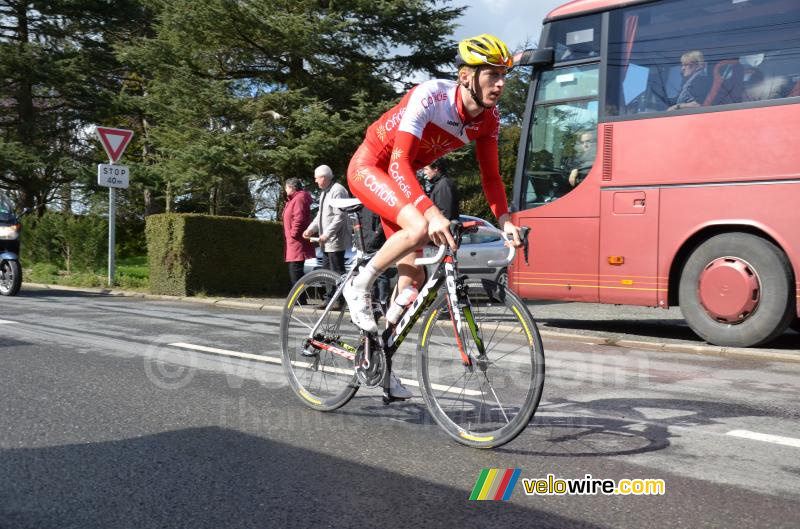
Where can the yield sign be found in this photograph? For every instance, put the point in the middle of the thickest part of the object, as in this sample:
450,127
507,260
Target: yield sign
114,141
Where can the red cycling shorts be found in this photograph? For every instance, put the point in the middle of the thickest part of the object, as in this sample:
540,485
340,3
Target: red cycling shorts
381,193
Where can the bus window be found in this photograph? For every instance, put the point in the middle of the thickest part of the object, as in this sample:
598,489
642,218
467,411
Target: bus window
699,53
576,39
561,143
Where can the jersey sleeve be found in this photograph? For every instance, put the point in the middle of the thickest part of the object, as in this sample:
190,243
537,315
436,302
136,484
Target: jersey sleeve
418,112
488,160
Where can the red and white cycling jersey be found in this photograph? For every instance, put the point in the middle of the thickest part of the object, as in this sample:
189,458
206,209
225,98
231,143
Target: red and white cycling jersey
429,122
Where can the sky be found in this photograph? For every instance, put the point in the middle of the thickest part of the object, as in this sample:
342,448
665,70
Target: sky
513,21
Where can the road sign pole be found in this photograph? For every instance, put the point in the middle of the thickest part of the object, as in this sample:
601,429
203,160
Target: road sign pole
114,141
112,215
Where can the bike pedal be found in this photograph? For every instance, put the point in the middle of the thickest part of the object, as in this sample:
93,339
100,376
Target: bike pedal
388,399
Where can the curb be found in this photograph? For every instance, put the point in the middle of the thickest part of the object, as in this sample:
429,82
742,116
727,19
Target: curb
714,350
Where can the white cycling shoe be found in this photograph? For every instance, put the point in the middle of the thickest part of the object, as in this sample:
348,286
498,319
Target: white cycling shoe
398,390
360,304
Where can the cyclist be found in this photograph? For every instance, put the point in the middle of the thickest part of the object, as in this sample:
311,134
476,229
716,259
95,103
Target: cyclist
432,119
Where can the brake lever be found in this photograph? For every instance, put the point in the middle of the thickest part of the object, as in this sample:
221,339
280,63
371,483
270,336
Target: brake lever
523,233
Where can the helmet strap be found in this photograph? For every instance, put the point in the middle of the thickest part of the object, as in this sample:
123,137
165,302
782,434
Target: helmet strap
473,92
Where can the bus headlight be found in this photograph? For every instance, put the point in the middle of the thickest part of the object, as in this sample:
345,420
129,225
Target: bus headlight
9,233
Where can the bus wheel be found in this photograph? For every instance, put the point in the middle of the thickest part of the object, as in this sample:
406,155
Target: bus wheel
734,290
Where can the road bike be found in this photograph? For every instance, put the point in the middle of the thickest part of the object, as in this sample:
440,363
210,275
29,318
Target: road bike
479,361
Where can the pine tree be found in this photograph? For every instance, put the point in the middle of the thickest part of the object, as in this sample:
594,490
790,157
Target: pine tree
58,75
250,93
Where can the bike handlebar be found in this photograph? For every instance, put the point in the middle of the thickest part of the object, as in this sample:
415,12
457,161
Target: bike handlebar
431,260
494,263
512,251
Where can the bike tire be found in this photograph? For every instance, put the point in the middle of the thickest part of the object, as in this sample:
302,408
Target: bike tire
328,381
482,409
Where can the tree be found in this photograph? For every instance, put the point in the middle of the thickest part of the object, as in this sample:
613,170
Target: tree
58,75
238,92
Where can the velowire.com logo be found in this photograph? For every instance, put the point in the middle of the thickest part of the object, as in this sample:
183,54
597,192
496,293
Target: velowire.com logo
495,484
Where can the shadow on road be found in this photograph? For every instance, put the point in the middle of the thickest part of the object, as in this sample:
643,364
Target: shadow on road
569,436
217,478
35,292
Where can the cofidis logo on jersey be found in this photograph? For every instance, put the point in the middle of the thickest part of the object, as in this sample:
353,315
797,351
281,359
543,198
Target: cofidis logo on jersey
495,484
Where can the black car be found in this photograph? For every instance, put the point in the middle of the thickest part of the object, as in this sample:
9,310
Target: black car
10,227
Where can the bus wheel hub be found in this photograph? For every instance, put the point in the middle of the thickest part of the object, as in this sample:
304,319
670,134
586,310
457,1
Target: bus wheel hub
729,290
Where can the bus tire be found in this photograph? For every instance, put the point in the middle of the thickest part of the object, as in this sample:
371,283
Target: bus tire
735,290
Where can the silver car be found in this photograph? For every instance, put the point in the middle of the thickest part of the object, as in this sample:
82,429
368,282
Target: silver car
313,263
477,249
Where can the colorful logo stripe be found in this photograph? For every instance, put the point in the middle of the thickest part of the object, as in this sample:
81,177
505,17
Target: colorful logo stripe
495,484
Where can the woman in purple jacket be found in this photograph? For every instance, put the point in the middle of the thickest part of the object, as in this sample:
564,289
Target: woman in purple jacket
296,218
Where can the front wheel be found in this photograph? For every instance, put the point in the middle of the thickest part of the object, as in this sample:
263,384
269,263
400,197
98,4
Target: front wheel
10,278
488,403
736,290
322,379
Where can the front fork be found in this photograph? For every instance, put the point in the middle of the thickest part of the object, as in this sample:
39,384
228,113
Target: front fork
458,303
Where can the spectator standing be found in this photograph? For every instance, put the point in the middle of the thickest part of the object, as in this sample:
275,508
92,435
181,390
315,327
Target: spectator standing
441,189
296,218
330,223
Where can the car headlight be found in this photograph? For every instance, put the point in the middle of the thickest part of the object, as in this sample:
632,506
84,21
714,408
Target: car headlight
9,233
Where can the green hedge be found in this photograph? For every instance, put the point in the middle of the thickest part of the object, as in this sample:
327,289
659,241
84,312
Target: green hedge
191,254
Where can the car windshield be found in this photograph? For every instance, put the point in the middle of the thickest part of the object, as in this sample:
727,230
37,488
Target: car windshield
5,205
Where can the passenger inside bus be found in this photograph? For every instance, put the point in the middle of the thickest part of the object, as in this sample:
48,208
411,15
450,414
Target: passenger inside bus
696,82
767,76
586,148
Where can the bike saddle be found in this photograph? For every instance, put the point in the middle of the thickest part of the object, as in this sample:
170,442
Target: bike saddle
349,205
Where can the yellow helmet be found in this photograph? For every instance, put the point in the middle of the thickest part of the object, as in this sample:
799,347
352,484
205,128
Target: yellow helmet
483,50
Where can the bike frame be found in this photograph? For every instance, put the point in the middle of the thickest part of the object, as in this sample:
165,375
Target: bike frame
446,272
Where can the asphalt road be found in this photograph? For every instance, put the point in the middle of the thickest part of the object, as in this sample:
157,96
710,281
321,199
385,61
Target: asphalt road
104,423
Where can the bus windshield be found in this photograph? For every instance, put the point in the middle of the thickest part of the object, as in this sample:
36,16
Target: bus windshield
562,140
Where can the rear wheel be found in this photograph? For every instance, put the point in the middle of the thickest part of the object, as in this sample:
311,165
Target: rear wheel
735,290
322,379
490,402
10,278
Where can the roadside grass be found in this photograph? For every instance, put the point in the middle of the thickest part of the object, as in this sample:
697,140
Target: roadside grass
131,273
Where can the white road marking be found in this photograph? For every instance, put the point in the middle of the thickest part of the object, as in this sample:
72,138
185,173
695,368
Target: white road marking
226,352
275,360
6,321
767,438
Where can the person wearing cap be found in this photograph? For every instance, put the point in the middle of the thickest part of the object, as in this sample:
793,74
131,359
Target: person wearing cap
441,189
330,223
431,120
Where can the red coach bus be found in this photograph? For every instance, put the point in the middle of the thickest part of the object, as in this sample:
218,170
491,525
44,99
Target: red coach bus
659,163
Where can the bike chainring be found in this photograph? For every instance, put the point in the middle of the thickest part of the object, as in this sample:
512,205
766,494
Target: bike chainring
370,376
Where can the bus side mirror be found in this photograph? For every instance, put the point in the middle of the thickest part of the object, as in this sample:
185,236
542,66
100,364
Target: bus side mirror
537,57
